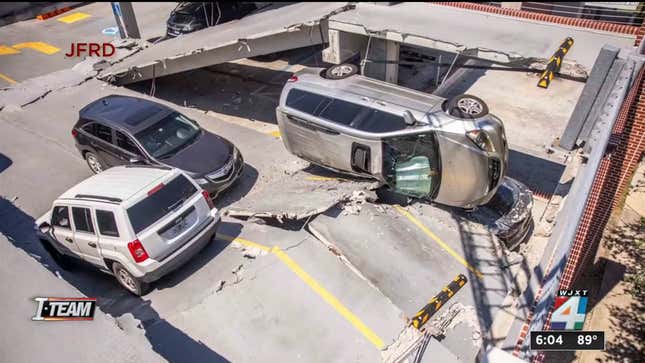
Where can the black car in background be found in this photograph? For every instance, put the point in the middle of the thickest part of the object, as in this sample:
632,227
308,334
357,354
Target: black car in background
117,130
189,17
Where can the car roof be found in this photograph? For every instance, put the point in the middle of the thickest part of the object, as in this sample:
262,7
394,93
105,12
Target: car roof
132,114
121,182
373,88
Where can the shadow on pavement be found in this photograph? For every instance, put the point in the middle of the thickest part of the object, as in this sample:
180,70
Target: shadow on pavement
168,341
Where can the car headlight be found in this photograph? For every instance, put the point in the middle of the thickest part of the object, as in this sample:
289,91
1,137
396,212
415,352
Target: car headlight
481,139
201,181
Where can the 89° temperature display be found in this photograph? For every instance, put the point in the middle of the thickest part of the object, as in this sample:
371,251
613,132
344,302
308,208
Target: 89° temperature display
567,340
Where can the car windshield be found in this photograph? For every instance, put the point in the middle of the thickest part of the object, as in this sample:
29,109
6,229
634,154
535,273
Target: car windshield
154,207
168,136
411,165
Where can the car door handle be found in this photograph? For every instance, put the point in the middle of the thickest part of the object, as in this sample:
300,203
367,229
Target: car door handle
91,244
68,239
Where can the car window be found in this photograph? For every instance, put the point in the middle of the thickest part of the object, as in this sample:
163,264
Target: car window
60,217
306,102
107,223
411,164
342,112
169,135
163,201
82,220
125,143
379,121
101,131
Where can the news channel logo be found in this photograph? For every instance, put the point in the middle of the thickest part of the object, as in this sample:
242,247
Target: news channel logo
62,308
570,310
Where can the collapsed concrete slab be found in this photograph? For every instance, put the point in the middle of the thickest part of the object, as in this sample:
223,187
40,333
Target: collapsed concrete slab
277,28
409,254
302,194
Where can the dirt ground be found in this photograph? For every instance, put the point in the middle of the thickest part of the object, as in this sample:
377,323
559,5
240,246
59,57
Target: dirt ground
617,283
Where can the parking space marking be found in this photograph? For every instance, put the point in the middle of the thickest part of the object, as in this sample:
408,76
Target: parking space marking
324,178
6,50
74,17
438,240
244,242
38,46
8,79
316,287
275,133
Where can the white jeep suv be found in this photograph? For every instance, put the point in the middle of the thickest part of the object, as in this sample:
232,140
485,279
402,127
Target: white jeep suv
135,222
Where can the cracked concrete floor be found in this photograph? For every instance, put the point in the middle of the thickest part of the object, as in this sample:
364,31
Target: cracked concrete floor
271,314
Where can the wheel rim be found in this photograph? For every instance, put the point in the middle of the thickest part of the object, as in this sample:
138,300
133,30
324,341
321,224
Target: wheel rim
126,280
470,106
340,71
94,163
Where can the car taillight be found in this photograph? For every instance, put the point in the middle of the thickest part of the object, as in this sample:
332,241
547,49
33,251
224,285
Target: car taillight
74,132
137,251
208,199
293,79
155,189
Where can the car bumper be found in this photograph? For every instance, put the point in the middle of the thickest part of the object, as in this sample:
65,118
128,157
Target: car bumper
215,187
185,253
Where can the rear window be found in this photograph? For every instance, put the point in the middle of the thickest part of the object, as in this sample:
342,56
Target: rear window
342,112
160,203
306,102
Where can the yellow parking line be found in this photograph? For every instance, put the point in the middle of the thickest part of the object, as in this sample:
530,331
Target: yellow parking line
275,133
6,50
7,78
438,241
71,18
244,242
316,287
329,298
38,46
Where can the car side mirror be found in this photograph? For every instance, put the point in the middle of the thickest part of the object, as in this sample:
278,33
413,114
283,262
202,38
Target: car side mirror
409,118
44,228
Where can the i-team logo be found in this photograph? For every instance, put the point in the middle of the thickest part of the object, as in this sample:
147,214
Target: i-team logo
61,308
570,310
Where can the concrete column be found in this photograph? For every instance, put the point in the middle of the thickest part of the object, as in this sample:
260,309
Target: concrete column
125,20
382,50
343,46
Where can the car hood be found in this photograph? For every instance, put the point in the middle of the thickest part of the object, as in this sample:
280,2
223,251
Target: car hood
208,153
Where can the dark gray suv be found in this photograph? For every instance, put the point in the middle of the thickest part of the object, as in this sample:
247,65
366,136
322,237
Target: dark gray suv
117,130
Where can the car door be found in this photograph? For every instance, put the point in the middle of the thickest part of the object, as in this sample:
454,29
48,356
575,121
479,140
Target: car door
126,149
61,229
101,140
85,235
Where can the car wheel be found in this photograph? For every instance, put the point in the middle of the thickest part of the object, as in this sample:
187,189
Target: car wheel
467,106
93,162
131,283
64,262
341,71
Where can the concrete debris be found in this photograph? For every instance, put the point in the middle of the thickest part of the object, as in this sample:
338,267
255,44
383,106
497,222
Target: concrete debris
129,324
356,201
459,313
249,252
407,341
316,194
238,272
220,285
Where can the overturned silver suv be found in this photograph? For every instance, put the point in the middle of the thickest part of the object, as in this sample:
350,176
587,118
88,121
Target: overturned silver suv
450,151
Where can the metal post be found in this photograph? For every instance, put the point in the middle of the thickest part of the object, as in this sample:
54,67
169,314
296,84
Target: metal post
125,20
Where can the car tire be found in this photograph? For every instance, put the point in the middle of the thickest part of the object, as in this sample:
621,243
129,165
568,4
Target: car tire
341,71
94,162
466,106
66,263
128,281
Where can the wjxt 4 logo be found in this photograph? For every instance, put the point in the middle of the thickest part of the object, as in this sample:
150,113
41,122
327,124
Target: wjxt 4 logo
59,308
570,310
